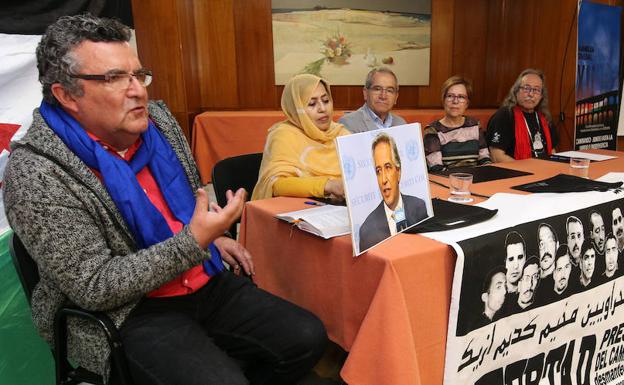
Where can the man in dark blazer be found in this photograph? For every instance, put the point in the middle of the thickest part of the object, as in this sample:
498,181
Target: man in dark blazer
397,211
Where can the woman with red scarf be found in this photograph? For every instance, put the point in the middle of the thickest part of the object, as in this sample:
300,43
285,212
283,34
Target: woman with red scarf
522,127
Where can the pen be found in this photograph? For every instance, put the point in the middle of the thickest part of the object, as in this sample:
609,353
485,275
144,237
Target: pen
313,203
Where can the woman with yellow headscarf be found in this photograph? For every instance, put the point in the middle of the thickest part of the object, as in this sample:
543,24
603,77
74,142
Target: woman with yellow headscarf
300,157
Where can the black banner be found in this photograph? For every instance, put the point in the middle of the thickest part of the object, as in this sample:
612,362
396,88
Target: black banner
541,302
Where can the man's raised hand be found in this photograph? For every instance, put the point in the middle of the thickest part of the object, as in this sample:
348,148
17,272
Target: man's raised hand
206,225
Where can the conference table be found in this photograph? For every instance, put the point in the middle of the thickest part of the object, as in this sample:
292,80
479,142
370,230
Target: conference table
388,308
221,134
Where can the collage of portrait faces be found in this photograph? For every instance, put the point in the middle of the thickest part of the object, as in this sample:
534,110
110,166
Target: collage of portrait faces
538,263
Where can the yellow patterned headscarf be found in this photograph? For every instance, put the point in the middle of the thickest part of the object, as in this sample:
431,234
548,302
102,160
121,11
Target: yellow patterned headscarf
296,147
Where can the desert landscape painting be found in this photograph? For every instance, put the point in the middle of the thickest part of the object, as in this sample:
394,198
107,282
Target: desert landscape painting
341,43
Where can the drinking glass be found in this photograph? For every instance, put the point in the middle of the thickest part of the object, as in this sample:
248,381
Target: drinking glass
459,183
579,167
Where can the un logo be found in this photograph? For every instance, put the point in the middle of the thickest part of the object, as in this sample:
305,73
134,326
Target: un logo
411,148
348,166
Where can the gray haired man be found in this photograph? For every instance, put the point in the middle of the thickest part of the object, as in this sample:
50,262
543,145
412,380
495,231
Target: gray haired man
381,92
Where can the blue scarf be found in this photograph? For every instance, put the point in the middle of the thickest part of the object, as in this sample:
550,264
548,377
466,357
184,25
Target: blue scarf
146,223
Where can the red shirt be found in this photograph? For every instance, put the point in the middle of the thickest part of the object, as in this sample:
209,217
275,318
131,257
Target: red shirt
190,280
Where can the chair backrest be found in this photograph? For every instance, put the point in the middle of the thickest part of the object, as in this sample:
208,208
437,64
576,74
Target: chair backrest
234,173
26,268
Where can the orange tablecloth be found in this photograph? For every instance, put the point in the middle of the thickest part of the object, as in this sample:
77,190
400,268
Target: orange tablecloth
220,134
388,307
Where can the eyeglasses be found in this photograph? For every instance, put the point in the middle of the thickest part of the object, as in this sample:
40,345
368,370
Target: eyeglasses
120,80
456,98
379,89
528,90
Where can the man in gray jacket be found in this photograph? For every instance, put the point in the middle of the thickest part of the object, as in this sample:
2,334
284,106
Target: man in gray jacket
105,195
381,92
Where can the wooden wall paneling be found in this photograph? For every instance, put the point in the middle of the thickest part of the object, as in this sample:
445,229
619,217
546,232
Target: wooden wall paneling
254,55
343,95
441,57
254,60
470,48
546,54
529,34
188,42
521,23
158,43
217,54
190,73
408,97
515,51
348,98
514,42
563,74
356,96
495,86
155,52
551,25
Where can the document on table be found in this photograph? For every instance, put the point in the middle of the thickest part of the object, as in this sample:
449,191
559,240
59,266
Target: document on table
578,154
326,221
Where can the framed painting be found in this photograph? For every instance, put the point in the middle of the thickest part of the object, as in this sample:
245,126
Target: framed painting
342,40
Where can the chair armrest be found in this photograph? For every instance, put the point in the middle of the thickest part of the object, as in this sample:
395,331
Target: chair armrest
104,322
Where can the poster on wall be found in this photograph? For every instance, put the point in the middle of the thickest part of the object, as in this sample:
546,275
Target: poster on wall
342,40
539,298
597,76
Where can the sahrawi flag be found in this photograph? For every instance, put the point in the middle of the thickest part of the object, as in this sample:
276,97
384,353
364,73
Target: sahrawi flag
20,93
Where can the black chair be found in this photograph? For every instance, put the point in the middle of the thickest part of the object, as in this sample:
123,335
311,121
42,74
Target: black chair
66,374
234,173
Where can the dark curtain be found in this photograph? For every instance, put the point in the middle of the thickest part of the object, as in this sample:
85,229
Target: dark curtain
31,17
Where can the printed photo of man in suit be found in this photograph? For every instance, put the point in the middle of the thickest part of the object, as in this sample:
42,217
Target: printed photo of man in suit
397,211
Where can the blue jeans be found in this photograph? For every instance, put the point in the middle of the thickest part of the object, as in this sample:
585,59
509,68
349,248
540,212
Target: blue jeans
228,332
